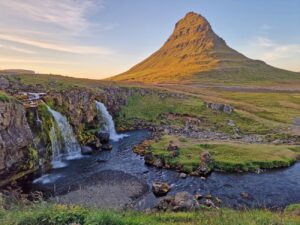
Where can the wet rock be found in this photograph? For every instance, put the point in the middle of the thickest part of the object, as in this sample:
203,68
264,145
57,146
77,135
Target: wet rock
182,175
149,159
158,163
165,204
95,144
202,170
107,147
198,196
160,189
184,201
208,196
86,150
103,137
209,203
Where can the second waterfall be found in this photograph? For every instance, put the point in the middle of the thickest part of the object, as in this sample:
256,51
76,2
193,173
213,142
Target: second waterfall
108,125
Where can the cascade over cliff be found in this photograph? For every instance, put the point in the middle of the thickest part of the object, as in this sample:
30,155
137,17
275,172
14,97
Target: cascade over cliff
194,51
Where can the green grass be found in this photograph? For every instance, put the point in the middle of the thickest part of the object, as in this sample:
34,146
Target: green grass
279,107
227,156
152,108
47,214
4,97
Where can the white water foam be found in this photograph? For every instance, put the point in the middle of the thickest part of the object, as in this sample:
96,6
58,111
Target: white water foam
68,148
47,178
109,125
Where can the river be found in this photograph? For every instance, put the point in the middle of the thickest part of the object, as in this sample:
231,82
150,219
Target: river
105,170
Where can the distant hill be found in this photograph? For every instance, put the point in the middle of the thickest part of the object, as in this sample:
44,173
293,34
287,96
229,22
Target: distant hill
16,72
194,53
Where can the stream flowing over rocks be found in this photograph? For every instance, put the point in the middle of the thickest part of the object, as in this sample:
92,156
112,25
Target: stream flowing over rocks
122,178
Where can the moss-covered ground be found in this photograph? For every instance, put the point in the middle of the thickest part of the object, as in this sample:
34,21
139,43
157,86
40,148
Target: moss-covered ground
227,156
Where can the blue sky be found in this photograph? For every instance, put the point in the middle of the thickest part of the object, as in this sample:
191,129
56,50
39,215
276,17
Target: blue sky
100,38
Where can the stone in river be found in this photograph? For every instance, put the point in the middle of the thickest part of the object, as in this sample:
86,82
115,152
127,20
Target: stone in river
107,147
160,189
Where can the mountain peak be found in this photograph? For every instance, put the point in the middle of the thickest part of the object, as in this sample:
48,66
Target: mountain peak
192,50
193,18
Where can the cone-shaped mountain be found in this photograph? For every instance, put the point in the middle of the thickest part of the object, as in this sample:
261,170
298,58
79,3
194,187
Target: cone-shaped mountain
194,53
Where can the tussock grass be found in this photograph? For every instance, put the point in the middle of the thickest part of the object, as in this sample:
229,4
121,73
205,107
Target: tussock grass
47,214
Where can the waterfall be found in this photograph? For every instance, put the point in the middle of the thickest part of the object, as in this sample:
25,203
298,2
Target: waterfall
56,147
109,125
69,147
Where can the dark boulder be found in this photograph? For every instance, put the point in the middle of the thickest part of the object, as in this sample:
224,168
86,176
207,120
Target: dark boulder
160,189
96,144
149,158
86,150
184,201
103,137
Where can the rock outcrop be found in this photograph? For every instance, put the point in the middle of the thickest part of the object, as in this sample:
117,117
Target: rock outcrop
15,137
220,107
77,105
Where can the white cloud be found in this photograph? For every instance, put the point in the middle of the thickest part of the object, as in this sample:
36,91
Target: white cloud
18,49
271,50
53,25
35,61
282,55
263,42
70,15
62,47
